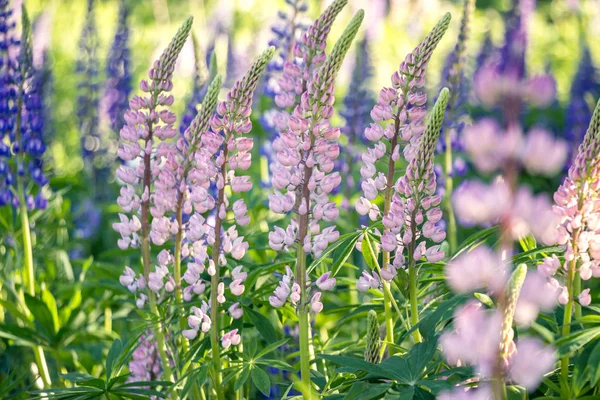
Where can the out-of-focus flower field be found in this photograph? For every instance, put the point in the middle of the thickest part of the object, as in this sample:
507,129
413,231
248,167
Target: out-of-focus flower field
337,199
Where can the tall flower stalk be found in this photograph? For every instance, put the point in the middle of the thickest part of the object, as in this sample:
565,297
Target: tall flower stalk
575,204
402,109
118,72
453,78
148,123
229,151
21,144
306,150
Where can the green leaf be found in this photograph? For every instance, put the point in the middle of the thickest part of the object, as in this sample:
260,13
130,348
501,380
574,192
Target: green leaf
420,355
262,324
343,255
358,364
485,299
42,315
342,240
50,301
241,379
369,252
594,365
261,380
22,336
569,344
475,240
272,347
443,312
366,391
14,310
113,355
526,256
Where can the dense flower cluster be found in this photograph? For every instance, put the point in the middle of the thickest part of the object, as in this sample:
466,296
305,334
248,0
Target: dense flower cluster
307,147
118,73
148,187
576,205
216,157
145,364
21,118
411,209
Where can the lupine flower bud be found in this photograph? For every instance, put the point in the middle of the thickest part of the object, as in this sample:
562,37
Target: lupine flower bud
513,290
373,341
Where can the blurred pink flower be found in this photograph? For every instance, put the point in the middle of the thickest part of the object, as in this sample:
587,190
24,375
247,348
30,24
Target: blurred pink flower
530,362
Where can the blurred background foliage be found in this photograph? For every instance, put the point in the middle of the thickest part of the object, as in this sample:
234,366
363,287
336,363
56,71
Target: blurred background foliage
394,26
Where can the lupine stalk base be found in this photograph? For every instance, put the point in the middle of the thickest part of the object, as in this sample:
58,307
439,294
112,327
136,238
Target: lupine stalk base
304,324
414,301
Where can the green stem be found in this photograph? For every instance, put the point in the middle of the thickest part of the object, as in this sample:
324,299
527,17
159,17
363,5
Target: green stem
108,320
576,292
303,318
389,320
568,315
28,270
499,389
449,187
214,334
177,271
162,345
414,301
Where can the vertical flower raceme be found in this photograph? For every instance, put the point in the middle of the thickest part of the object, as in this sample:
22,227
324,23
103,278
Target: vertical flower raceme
576,205
9,71
585,86
358,103
219,156
398,131
118,73
148,186
93,145
453,76
22,179
21,120
303,173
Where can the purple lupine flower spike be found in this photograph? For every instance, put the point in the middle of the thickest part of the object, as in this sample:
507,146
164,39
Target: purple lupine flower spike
357,108
118,85
21,147
584,88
